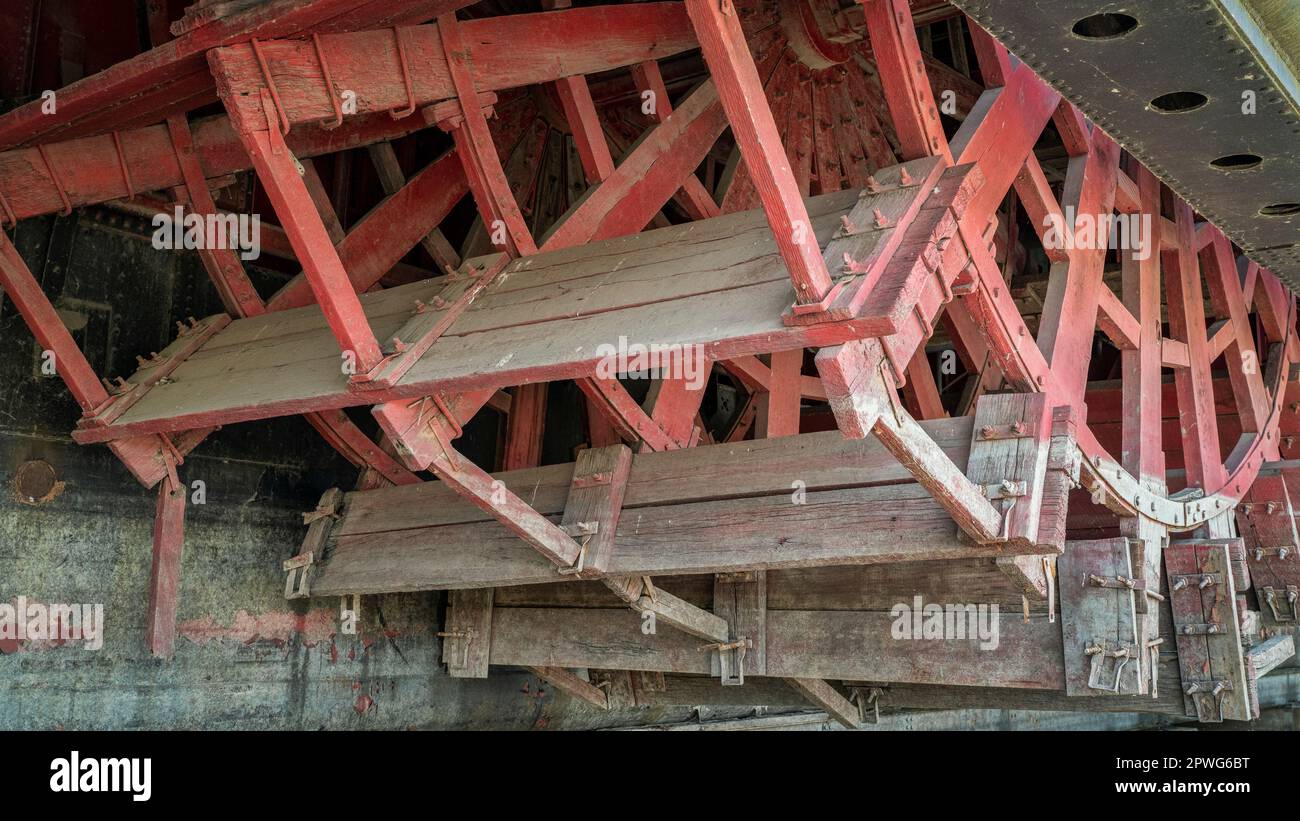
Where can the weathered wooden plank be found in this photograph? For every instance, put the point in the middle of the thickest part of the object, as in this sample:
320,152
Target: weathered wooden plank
726,301
862,525
1210,654
801,644
1103,654
467,641
741,599
759,467
596,499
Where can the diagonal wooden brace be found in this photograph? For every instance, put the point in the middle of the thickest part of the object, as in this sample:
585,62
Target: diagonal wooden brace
863,398
633,424
422,432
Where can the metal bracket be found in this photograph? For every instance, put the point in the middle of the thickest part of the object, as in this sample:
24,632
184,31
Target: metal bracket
297,585
466,637
1281,551
868,701
1007,489
328,125
731,660
1119,653
1014,430
1207,696
1206,629
1200,580
398,114
581,533
1269,596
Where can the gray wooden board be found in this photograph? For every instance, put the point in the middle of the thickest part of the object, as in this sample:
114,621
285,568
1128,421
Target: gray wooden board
891,523
718,283
1093,615
801,644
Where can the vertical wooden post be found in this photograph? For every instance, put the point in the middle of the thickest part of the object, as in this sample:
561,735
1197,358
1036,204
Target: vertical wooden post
780,417
1198,421
1142,451
467,641
165,572
525,426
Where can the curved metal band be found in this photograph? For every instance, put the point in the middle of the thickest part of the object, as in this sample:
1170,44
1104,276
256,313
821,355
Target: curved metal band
58,184
328,125
398,114
270,85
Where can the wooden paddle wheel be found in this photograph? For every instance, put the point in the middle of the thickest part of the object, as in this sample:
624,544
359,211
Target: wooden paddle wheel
960,350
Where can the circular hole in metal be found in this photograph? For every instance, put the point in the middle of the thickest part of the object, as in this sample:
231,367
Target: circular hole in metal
1280,209
1178,102
1236,162
1104,26
34,481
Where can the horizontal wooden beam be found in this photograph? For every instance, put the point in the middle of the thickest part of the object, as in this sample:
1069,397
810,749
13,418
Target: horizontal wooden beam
826,644
506,52
90,170
796,501
174,76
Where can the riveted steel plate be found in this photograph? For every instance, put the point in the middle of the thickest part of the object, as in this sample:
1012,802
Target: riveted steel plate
1231,52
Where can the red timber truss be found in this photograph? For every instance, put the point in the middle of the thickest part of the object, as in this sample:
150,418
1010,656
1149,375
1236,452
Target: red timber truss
813,205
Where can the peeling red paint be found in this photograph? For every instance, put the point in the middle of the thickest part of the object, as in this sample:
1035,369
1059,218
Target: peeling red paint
314,627
365,704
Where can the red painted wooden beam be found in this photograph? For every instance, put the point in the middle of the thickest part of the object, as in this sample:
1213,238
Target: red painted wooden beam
781,417
694,197
165,572
726,50
174,77
504,52
329,281
388,232
525,427
630,419
91,170
1141,387
647,178
222,264
903,77
1186,307
584,122
487,179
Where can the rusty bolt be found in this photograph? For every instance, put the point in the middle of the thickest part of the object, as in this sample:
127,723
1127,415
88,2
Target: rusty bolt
986,432
1018,428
